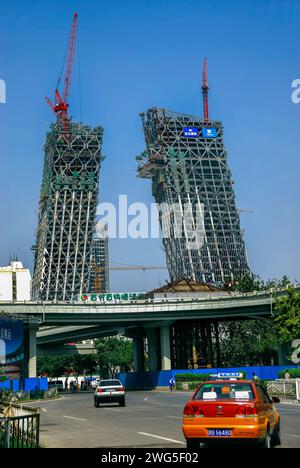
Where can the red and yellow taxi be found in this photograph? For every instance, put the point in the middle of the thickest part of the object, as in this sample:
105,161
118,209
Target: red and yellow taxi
228,409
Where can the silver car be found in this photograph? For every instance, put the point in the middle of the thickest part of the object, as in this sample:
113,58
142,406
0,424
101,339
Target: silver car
109,391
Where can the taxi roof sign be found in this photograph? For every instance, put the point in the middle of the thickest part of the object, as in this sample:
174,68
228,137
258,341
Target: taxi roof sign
229,375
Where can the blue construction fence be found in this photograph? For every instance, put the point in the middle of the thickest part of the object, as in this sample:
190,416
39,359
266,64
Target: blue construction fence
26,385
140,380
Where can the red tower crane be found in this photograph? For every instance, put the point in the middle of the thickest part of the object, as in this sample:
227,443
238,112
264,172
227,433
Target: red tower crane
60,106
205,89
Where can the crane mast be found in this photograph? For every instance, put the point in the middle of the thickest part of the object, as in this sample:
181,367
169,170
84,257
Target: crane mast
205,89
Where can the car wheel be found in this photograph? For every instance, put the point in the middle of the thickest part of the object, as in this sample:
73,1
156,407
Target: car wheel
192,444
122,403
276,438
96,404
267,442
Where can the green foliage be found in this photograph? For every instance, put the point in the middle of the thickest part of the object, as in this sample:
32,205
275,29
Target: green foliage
247,283
66,365
287,317
248,342
187,377
4,399
256,342
250,283
82,364
110,354
114,353
294,373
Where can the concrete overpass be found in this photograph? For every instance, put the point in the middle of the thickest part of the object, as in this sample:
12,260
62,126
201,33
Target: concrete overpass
63,322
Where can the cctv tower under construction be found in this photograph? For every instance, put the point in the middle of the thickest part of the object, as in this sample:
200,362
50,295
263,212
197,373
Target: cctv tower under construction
68,201
187,163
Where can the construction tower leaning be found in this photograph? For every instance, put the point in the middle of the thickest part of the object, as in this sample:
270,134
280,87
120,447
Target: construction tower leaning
186,160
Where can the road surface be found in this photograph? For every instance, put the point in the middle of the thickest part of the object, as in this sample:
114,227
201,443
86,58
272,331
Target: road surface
149,420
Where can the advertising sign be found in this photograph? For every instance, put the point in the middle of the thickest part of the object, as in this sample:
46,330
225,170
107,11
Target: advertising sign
11,347
209,132
113,297
191,132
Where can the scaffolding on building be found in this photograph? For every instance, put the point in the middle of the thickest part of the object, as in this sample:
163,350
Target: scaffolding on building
99,278
67,211
187,163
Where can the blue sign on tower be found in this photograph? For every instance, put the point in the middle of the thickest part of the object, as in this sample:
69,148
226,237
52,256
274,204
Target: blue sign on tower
209,132
191,132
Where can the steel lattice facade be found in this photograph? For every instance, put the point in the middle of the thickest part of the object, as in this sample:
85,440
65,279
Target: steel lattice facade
99,278
67,211
193,171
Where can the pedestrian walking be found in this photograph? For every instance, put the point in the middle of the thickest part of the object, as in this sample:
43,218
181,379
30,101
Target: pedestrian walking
172,383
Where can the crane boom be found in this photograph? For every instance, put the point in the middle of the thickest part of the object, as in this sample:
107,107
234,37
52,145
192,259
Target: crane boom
60,106
70,58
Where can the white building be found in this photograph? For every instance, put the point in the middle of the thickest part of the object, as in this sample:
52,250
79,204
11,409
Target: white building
15,282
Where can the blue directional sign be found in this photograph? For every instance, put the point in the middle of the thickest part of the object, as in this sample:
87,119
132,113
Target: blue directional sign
191,132
209,132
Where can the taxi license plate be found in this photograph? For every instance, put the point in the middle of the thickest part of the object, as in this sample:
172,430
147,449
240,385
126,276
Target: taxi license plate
219,432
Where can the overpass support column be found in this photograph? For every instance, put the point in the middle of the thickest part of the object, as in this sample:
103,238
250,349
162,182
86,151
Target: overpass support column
152,349
165,348
30,352
138,354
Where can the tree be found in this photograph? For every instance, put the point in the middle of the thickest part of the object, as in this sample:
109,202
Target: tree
287,316
54,366
251,282
248,342
247,283
67,365
114,353
251,341
82,364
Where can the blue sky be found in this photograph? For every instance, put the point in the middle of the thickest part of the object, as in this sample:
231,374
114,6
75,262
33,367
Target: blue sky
134,55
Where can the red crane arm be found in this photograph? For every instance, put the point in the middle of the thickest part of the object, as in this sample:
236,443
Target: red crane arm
50,103
60,106
70,59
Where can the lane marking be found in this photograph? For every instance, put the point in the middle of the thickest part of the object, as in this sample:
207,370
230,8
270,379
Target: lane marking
76,419
292,435
161,438
44,410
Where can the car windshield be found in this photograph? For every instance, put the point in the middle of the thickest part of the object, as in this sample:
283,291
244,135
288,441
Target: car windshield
225,391
109,383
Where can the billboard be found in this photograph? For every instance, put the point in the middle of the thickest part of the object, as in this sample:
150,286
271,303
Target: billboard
209,132
191,132
113,297
11,347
